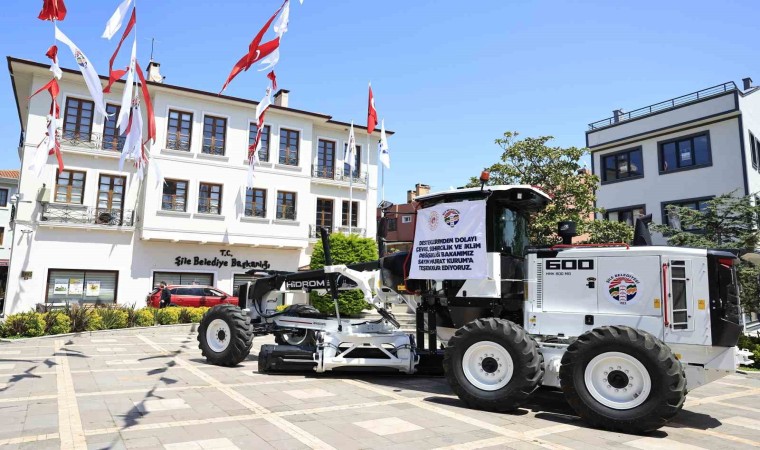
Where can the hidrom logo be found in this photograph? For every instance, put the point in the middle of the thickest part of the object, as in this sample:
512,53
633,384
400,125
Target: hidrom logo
451,217
623,288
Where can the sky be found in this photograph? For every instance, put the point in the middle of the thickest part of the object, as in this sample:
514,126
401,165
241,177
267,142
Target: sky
449,77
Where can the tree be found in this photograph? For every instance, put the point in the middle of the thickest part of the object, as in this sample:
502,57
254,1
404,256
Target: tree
726,221
344,249
557,171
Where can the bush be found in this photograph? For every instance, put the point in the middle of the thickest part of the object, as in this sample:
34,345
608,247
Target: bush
196,314
112,318
80,318
144,317
751,343
28,324
167,316
57,322
185,315
94,322
350,303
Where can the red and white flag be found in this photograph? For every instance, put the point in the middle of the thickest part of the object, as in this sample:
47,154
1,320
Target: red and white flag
117,19
88,72
52,145
126,97
349,157
52,53
52,10
382,147
371,112
133,141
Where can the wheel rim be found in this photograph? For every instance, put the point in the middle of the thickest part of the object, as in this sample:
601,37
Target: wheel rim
218,335
618,380
296,337
487,365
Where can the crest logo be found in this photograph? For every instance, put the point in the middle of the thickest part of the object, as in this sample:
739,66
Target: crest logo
81,60
451,217
434,220
622,288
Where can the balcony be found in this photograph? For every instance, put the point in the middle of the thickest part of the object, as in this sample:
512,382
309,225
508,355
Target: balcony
329,174
181,143
255,212
285,213
79,215
94,141
664,106
314,232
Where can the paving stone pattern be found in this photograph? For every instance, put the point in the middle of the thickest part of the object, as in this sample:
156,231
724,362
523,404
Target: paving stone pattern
152,389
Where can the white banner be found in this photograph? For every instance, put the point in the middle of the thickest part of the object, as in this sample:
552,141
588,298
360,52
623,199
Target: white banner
450,242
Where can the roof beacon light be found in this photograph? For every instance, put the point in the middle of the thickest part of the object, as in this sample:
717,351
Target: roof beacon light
484,176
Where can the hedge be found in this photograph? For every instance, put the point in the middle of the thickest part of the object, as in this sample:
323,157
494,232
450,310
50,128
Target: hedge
77,319
751,343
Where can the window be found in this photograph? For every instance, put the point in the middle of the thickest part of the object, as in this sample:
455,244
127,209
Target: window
625,215
685,153
406,219
175,196
179,130
2,235
111,138
754,144
183,278
256,203
678,280
358,161
214,133
286,205
289,147
325,214
354,214
392,225
3,197
210,198
264,151
110,199
69,187
672,219
81,286
622,165
77,122
325,159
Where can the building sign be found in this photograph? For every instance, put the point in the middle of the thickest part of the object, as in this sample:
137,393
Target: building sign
450,242
224,260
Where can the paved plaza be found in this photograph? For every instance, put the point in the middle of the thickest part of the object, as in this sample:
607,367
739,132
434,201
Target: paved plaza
152,389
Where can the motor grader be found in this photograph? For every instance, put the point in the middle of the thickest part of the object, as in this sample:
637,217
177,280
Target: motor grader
624,331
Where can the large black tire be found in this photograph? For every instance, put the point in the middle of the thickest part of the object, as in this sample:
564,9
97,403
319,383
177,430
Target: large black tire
300,338
229,345
491,394
626,411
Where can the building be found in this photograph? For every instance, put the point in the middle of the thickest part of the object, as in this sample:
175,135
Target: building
8,188
682,151
92,234
402,219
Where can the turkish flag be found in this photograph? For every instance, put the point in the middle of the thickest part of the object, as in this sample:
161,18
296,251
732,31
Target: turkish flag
371,112
52,10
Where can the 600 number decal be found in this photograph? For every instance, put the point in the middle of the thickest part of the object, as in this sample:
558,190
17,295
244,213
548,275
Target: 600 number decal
562,265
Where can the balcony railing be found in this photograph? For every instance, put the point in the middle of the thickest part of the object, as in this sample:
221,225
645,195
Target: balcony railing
181,144
315,234
83,215
94,141
175,203
213,149
255,212
663,106
329,173
286,213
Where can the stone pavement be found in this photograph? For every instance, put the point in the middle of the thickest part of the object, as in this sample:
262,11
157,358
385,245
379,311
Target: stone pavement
152,389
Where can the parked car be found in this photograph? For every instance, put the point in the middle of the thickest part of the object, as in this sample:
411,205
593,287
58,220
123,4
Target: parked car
192,296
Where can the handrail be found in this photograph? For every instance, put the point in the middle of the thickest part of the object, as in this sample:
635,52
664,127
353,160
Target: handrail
665,294
665,105
610,244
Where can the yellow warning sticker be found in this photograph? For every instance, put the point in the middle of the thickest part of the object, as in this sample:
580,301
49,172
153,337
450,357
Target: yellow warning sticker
657,303
701,304
678,356
400,288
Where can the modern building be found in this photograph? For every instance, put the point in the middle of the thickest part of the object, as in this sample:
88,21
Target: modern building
93,234
8,188
682,151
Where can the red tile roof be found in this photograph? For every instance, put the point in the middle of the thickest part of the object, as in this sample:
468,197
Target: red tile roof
9,174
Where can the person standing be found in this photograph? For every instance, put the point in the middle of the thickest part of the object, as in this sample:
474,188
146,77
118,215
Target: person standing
166,295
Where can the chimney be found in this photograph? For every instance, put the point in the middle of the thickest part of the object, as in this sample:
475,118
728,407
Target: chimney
281,98
422,189
747,83
154,73
409,196
616,114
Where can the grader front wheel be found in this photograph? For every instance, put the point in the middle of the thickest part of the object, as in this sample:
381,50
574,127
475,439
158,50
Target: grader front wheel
225,335
492,364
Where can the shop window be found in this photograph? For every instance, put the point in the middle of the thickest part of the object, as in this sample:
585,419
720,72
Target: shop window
183,278
82,286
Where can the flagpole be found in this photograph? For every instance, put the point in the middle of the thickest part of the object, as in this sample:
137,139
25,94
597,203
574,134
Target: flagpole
350,196
366,223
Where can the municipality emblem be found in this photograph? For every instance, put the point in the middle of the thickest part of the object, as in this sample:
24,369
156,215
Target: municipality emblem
623,288
434,220
451,217
81,60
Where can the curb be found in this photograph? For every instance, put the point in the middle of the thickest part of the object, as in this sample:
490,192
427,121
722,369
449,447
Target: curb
193,327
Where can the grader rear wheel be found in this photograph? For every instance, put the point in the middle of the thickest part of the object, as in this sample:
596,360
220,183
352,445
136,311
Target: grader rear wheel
225,335
622,379
492,364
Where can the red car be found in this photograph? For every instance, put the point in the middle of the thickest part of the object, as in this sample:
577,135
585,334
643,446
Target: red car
192,296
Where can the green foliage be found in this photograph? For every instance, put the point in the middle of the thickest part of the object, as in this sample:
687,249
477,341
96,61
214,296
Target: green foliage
605,231
28,324
95,322
57,322
112,318
751,343
350,303
345,249
726,222
184,316
556,170
80,317
144,318
167,316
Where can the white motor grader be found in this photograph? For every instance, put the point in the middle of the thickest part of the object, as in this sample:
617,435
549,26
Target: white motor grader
624,331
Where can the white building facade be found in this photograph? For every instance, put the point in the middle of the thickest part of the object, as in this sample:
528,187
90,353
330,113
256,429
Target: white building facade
681,151
8,188
92,234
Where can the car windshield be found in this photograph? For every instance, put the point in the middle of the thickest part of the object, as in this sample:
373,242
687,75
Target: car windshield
510,231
